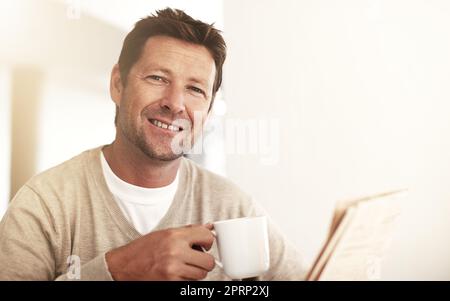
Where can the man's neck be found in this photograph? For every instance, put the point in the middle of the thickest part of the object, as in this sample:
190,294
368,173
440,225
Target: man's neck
132,166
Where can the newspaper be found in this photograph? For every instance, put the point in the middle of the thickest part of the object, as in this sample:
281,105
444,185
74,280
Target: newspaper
360,234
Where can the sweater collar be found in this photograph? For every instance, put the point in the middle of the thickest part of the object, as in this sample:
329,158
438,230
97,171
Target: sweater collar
94,171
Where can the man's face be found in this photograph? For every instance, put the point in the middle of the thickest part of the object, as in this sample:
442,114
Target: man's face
172,80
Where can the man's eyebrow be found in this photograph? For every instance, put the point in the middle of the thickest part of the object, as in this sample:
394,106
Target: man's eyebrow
163,70
197,80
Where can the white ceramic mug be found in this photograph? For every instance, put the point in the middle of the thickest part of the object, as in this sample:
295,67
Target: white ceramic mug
243,245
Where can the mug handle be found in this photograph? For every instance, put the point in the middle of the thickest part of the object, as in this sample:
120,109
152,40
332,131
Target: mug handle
217,261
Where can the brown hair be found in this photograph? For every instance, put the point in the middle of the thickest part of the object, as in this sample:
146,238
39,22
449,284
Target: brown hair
177,24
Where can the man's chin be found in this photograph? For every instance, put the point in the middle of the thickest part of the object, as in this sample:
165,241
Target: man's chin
167,157
159,155
157,151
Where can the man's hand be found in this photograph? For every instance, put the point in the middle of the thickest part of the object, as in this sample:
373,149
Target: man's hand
164,255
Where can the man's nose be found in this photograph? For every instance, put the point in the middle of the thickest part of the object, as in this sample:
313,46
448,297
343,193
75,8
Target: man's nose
174,100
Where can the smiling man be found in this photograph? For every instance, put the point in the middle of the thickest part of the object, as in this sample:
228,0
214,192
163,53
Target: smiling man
137,209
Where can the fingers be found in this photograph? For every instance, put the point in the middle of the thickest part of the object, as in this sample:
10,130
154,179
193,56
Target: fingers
189,272
199,259
199,235
194,264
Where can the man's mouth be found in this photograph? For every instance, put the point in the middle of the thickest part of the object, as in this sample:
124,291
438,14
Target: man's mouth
166,126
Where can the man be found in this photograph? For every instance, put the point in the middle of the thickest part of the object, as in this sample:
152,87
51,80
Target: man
137,209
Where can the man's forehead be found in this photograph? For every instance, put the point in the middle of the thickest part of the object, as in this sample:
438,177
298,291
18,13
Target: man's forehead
166,46
170,55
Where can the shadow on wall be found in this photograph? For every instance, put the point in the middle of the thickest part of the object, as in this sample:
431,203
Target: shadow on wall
25,101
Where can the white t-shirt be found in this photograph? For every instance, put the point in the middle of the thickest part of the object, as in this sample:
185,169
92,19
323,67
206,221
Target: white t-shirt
143,207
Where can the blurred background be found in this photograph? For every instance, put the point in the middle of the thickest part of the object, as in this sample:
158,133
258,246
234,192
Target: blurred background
355,95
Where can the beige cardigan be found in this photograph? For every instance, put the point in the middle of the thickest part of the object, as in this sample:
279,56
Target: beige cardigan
68,210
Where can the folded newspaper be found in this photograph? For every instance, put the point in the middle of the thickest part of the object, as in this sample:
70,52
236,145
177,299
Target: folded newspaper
360,234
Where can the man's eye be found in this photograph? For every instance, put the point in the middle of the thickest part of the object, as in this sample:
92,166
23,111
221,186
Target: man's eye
156,78
197,90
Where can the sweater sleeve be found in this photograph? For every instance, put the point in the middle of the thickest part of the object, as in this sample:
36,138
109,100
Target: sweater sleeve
27,239
29,244
285,260
94,270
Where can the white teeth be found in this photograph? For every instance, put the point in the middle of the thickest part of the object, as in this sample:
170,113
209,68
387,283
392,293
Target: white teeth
173,128
165,126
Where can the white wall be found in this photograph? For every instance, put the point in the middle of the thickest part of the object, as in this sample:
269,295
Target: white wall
125,14
361,91
85,119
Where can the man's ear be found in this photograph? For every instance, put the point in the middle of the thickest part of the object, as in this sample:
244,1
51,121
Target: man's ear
115,85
